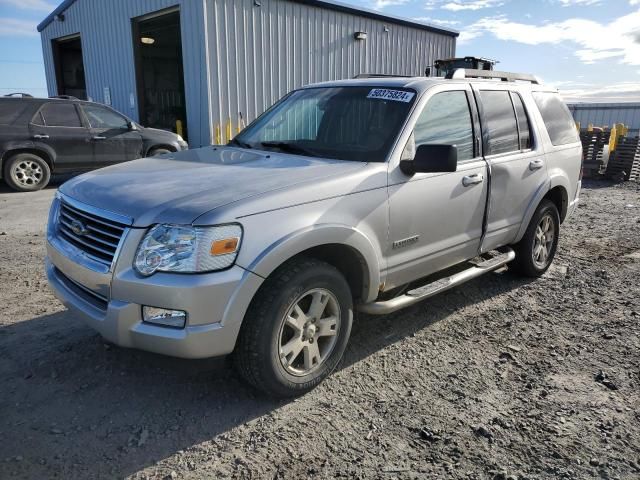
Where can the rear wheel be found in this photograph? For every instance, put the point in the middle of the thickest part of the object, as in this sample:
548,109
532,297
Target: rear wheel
536,250
296,329
26,172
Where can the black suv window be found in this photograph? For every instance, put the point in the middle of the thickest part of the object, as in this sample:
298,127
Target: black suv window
557,118
10,110
523,122
500,120
56,114
446,120
100,117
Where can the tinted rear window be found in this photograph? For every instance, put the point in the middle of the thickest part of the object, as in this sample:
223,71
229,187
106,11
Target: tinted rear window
10,110
557,118
59,115
523,122
500,121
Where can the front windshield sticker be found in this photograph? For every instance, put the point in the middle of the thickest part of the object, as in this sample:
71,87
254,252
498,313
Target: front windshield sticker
395,95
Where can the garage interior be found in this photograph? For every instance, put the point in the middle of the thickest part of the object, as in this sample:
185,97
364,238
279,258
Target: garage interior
159,71
69,66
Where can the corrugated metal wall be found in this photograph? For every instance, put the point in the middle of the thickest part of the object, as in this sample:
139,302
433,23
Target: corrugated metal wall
107,47
240,57
259,53
601,114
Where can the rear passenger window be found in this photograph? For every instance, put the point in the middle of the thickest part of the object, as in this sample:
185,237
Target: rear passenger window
500,121
10,110
557,118
446,120
523,122
58,115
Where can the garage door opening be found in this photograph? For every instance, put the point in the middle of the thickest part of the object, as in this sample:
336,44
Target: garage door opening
159,71
67,58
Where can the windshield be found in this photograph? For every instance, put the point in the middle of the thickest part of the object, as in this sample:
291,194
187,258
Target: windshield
345,123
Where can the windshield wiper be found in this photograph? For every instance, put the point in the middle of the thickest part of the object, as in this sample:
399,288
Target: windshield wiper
235,141
289,148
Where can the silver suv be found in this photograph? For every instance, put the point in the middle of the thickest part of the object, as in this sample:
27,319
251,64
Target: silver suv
361,195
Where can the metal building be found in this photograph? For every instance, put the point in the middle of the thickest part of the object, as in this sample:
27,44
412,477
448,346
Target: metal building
607,114
206,67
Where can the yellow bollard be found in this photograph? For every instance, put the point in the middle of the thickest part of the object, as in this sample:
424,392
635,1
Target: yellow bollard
578,125
228,131
613,139
179,130
218,135
590,127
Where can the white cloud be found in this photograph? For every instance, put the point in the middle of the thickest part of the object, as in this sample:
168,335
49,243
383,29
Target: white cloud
436,21
586,92
39,5
457,5
618,39
380,4
16,27
570,3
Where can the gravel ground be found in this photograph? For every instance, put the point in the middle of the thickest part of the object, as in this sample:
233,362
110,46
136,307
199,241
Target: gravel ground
499,378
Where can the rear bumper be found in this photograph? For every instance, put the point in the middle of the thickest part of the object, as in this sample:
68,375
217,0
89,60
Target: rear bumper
224,295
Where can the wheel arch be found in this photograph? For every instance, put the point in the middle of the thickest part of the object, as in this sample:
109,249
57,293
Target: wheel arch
556,190
344,247
45,154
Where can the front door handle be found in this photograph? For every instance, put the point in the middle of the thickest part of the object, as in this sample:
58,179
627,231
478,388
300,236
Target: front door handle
472,179
536,165
40,137
99,137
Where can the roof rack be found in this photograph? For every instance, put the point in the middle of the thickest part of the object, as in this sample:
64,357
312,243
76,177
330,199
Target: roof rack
19,94
380,75
64,97
504,76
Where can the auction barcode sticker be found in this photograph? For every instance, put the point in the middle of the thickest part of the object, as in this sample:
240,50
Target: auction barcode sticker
395,95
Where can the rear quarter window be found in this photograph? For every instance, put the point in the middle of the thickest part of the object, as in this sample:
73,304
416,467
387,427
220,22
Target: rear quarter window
557,118
10,111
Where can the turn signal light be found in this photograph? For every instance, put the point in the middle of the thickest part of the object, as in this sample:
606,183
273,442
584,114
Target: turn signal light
224,246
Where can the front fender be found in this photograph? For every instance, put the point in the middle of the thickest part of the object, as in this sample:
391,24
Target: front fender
314,236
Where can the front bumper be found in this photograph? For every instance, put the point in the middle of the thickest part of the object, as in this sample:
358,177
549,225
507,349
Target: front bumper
215,304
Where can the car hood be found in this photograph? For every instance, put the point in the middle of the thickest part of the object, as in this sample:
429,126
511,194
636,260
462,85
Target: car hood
180,187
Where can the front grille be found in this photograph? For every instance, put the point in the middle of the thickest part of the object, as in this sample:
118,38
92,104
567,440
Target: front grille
83,292
96,236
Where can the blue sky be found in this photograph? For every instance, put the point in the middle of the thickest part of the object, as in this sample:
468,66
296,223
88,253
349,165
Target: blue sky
589,49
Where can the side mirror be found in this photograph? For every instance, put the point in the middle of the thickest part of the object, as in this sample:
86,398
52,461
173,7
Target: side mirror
132,126
432,159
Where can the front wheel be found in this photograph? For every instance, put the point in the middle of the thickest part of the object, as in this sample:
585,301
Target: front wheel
536,250
296,330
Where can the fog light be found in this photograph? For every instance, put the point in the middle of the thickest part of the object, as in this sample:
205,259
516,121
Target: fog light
164,317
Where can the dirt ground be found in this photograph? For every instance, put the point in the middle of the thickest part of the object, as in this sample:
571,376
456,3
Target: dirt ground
499,378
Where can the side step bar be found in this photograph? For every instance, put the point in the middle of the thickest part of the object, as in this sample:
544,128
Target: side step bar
426,291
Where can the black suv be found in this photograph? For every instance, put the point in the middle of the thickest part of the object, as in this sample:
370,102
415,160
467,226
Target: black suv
41,136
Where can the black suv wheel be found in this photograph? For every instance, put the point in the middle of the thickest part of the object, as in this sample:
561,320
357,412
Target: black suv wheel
26,172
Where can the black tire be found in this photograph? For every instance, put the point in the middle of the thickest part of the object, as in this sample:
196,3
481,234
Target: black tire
26,172
158,151
525,262
257,354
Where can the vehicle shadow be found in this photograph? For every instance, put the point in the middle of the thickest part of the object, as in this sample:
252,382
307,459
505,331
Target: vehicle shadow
55,182
73,406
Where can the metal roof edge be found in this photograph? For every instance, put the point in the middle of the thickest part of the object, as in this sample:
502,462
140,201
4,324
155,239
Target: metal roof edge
365,12
330,4
58,10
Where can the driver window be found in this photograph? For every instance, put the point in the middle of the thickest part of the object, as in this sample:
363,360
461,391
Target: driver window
445,120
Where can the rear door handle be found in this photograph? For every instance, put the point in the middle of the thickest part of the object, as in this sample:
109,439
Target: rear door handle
40,137
472,179
536,164
99,137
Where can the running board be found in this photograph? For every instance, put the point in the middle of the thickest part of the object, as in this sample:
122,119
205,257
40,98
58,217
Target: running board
426,291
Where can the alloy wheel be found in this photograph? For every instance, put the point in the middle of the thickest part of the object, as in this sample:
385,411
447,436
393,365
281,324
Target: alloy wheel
543,241
27,173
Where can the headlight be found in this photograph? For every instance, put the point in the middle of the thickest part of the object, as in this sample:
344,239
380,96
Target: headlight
187,249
